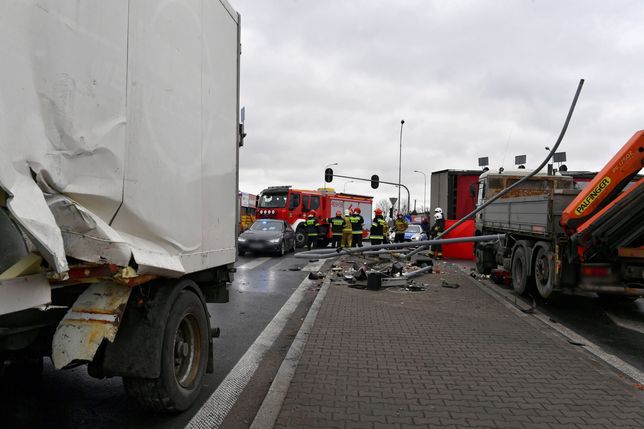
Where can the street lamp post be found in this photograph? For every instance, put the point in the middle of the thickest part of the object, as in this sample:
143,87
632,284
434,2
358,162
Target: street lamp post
402,122
344,189
330,165
424,191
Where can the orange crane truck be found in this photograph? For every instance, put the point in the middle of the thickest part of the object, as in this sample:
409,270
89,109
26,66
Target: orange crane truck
562,238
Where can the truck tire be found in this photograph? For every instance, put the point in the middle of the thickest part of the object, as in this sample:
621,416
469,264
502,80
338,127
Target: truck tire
544,270
522,282
183,359
484,261
300,237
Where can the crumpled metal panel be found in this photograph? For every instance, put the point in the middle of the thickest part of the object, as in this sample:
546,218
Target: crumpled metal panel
95,316
130,110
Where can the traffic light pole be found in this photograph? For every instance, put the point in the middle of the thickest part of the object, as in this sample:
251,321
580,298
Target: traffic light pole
380,181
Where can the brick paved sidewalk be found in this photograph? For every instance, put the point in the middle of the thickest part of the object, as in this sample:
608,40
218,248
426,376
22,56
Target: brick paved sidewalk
447,358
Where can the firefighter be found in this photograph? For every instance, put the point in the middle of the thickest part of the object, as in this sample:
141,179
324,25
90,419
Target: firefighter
312,230
437,229
400,226
337,223
379,228
346,230
357,221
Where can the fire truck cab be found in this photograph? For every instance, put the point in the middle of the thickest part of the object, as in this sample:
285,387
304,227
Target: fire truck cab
293,205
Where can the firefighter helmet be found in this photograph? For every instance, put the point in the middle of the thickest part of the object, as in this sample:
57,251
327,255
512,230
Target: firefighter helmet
313,213
357,210
338,213
438,216
378,211
438,210
347,212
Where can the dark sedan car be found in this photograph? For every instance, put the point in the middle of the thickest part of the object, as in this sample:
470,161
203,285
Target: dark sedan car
267,235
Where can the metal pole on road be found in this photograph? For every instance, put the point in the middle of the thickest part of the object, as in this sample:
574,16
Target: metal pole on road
402,122
424,190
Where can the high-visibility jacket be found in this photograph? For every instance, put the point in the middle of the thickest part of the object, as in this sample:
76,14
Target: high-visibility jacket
400,225
379,228
356,223
337,223
312,227
347,224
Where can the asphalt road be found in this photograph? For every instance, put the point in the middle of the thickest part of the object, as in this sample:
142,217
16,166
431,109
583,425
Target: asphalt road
72,399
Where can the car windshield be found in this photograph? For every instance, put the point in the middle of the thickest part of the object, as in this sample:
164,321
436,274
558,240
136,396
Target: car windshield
272,200
267,225
413,229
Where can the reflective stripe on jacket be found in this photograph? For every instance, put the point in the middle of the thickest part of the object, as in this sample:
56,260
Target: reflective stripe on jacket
378,228
337,224
400,226
312,227
356,224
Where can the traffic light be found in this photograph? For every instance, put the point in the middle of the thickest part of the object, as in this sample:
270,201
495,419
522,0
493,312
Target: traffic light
375,181
328,175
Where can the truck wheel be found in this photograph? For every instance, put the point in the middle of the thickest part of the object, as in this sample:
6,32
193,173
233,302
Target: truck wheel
300,237
484,264
521,280
543,273
183,359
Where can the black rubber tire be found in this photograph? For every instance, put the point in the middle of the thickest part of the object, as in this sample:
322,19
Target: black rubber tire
300,237
484,264
544,273
282,250
522,282
166,393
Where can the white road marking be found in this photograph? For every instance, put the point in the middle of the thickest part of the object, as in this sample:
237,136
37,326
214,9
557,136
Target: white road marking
272,404
213,412
625,323
314,266
253,264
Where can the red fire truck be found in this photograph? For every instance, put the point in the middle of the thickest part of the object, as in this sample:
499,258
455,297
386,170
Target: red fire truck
293,205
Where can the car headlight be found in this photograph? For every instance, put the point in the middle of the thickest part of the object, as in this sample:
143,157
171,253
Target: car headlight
275,240
415,237
241,239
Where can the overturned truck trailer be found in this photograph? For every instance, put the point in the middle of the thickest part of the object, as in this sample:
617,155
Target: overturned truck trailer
119,143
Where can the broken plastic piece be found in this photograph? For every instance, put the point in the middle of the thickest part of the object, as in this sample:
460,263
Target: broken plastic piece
28,265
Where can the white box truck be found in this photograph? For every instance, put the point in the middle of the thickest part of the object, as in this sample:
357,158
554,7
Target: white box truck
119,137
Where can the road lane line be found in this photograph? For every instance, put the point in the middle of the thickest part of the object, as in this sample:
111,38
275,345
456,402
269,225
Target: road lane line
253,264
314,266
214,410
272,404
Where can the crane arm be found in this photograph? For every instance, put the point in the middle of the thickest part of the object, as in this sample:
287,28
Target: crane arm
606,185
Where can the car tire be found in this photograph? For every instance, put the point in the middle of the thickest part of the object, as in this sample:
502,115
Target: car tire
282,250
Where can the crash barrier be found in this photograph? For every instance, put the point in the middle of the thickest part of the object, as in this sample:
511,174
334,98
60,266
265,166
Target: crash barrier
332,253
463,250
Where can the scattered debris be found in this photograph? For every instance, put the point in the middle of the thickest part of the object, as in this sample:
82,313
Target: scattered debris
575,343
316,275
295,269
449,285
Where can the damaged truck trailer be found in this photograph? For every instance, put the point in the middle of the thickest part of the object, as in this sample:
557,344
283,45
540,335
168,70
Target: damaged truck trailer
119,137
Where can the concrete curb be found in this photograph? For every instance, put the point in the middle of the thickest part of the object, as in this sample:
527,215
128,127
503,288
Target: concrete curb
505,298
272,404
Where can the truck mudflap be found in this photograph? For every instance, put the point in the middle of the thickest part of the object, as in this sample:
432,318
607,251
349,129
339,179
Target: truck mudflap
95,316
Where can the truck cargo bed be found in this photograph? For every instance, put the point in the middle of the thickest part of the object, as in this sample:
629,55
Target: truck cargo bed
536,215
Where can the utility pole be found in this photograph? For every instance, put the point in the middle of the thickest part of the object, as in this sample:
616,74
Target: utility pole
402,122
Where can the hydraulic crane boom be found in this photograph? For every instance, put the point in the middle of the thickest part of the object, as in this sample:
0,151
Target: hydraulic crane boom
606,185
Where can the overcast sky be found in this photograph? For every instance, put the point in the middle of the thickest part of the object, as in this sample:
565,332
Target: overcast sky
329,81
